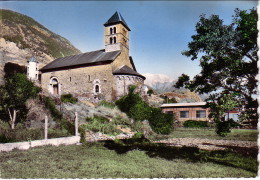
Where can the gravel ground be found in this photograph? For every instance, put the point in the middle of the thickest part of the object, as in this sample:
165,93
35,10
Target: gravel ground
212,144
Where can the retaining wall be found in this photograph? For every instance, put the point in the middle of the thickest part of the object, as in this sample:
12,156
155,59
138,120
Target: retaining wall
26,145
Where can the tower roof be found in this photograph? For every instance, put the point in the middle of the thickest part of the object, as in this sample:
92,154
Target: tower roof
117,18
32,59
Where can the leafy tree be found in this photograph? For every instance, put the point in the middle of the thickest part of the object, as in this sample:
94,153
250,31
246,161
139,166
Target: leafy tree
228,58
14,93
150,92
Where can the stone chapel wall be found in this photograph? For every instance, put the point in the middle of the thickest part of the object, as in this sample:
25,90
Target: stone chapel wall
82,81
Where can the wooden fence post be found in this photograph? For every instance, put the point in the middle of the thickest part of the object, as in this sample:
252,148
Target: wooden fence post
46,128
76,124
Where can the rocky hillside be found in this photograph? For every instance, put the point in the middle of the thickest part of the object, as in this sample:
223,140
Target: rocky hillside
21,37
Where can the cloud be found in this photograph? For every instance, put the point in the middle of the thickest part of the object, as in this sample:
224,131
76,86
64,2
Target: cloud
152,79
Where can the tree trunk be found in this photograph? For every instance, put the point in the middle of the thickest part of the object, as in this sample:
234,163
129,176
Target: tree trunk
12,118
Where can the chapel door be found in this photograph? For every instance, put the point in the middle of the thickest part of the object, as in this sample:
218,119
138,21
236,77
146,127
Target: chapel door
55,89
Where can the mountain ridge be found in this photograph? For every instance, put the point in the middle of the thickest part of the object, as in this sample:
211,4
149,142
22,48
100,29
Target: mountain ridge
21,37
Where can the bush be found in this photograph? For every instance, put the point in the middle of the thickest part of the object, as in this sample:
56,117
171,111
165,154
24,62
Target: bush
100,124
121,121
107,104
140,111
136,108
161,123
56,133
68,98
224,127
20,135
192,123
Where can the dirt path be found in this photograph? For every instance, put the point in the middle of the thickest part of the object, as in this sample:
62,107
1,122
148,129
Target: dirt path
211,144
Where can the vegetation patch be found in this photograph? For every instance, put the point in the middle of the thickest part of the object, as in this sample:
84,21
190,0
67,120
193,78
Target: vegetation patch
57,116
136,108
68,98
192,123
152,161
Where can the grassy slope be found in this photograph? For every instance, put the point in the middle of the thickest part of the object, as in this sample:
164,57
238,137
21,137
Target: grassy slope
99,162
209,133
56,45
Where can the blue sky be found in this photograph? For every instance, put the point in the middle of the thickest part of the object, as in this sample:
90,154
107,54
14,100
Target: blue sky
160,30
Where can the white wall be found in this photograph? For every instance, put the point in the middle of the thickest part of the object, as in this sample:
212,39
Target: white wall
26,145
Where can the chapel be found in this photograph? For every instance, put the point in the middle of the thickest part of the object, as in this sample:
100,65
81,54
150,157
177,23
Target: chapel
103,74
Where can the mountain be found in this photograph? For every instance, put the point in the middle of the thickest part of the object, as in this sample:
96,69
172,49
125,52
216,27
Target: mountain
21,37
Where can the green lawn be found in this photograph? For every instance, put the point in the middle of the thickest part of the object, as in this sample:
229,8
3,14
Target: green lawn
209,133
96,161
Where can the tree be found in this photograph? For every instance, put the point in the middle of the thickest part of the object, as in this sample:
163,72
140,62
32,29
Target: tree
150,92
14,93
228,58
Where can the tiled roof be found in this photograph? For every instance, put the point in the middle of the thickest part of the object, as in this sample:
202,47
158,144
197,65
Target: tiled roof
89,58
117,18
125,70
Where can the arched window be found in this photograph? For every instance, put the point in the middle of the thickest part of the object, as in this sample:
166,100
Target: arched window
111,31
97,88
114,39
111,40
114,30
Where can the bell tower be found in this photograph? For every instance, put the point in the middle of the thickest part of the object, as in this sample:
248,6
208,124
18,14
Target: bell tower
116,34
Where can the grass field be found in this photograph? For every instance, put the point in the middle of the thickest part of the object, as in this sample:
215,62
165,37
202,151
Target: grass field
96,161
209,133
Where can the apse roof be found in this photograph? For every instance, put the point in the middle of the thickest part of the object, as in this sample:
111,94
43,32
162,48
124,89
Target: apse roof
125,70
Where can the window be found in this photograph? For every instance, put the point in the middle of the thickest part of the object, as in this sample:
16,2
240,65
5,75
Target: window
70,79
114,29
201,114
97,88
184,114
125,42
169,112
124,31
114,39
111,40
111,31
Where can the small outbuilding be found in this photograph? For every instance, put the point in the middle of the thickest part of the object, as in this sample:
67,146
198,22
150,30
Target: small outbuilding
187,111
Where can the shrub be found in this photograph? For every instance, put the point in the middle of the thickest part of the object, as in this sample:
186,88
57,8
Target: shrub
100,124
97,118
121,121
161,123
140,111
56,133
19,135
224,127
136,108
192,123
68,98
107,104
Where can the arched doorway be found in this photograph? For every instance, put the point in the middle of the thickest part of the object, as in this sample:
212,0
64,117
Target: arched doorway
55,87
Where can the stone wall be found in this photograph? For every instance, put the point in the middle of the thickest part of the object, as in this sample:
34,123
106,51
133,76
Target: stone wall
82,81
124,81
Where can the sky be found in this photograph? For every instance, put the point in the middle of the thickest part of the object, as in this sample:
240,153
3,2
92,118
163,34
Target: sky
160,30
